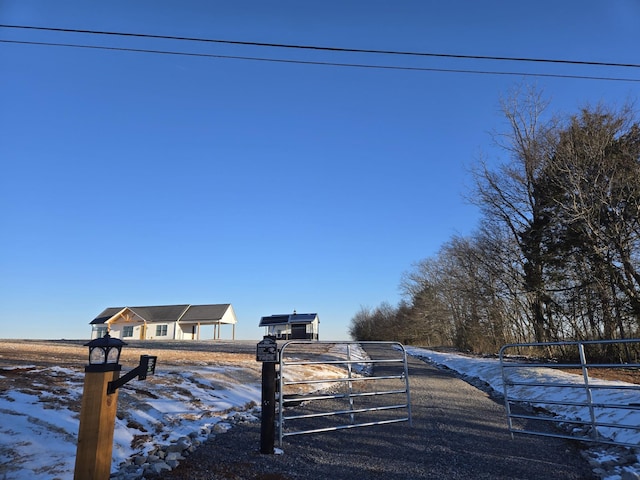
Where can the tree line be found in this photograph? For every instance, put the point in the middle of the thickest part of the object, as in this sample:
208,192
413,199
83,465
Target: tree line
556,254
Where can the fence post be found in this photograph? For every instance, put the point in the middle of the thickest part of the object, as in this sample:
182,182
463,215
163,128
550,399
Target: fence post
267,353
267,427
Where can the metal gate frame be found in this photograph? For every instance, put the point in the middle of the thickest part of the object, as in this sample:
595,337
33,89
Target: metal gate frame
590,427
349,381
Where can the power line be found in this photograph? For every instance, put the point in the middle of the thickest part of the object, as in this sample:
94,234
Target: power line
328,49
331,64
309,62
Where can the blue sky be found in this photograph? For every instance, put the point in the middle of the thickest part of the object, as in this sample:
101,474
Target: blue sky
146,179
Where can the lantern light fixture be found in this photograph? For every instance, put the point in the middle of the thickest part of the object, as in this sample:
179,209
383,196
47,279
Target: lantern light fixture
104,354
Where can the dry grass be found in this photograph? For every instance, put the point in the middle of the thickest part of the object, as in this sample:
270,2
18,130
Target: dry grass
22,360
613,374
72,353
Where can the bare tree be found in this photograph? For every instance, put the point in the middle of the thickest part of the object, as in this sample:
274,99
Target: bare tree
557,253
428,310
513,197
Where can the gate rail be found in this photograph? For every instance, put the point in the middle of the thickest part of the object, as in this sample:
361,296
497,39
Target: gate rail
349,389
591,420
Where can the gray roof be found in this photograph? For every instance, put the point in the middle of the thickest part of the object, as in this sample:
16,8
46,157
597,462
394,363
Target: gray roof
169,313
205,312
294,318
106,315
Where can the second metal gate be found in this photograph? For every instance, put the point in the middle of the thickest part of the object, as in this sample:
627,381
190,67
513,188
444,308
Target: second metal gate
601,411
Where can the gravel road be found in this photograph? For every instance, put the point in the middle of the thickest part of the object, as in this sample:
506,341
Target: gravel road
458,432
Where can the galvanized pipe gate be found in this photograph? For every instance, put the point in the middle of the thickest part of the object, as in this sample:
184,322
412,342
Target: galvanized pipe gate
381,396
328,386
594,399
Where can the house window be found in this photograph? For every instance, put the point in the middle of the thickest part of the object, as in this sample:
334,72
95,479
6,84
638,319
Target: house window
101,331
161,330
127,331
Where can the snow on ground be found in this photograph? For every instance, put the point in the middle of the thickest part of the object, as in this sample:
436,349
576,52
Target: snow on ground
37,437
39,425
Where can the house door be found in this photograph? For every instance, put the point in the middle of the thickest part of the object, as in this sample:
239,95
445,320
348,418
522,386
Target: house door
193,332
143,331
298,332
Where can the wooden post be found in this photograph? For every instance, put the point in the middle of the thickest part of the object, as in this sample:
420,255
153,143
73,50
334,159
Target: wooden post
97,423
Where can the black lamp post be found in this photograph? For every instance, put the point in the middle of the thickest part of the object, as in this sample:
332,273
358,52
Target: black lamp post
104,354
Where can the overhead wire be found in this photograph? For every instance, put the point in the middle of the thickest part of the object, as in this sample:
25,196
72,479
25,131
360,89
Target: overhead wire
320,48
325,48
322,63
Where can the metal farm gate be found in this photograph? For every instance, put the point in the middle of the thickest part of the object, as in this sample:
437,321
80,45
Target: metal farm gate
601,411
359,391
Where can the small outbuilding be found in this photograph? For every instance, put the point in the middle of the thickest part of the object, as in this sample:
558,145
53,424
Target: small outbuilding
295,326
164,322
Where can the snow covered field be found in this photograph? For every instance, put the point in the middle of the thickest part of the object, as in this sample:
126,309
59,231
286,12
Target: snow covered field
191,392
38,432
39,407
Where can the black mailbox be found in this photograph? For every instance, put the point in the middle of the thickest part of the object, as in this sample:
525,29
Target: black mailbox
147,366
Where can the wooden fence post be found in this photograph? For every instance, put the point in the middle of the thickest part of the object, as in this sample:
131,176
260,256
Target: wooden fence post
97,424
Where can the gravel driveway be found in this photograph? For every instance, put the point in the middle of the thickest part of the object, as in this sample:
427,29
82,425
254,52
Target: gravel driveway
458,432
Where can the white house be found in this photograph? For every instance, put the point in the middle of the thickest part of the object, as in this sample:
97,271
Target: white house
166,322
295,326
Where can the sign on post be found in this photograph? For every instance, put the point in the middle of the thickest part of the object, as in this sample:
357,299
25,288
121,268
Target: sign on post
267,350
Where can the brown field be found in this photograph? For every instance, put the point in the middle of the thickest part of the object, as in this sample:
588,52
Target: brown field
73,353
19,357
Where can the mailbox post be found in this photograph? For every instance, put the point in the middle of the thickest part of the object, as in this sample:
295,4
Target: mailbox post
98,410
267,353
99,404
